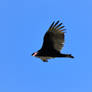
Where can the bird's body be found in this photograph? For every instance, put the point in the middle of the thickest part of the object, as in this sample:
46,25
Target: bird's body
53,43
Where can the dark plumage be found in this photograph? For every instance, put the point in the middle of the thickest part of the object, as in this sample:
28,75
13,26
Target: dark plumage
53,43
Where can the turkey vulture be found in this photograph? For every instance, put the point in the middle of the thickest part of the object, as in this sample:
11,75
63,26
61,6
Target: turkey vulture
53,43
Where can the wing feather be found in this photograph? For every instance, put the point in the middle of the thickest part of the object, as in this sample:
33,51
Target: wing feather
54,37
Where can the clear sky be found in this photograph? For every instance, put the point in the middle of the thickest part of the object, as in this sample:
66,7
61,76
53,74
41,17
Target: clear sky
23,24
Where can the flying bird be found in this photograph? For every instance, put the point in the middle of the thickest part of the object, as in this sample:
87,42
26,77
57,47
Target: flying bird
53,43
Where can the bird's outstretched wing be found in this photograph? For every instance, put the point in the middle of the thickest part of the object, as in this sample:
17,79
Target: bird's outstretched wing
54,37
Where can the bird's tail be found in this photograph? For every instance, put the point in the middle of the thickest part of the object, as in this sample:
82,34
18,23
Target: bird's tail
66,55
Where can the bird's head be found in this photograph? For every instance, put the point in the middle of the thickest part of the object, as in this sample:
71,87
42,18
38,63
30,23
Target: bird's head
35,54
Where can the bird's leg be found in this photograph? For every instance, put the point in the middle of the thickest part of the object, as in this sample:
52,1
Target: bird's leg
45,60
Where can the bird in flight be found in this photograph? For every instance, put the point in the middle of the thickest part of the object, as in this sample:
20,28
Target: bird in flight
53,43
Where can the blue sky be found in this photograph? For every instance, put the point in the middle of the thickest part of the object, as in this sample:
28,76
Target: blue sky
23,24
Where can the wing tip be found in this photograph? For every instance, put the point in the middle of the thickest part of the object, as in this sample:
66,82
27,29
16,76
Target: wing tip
56,26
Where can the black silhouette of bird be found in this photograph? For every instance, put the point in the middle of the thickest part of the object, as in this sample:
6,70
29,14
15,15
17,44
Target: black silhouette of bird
53,43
